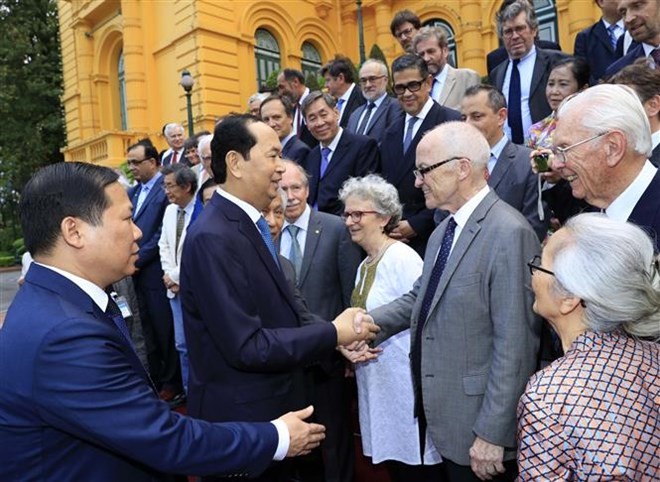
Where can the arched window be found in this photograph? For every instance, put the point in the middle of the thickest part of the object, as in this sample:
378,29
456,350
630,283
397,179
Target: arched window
311,60
451,38
121,78
547,15
266,55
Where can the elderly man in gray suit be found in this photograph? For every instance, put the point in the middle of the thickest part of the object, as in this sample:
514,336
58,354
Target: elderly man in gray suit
325,261
474,335
373,118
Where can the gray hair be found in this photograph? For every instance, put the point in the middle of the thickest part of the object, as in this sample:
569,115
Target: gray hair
313,97
183,175
203,142
430,32
512,11
610,265
460,139
260,96
170,127
294,165
379,192
381,65
608,107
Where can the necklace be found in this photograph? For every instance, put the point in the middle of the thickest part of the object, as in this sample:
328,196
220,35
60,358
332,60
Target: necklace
371,260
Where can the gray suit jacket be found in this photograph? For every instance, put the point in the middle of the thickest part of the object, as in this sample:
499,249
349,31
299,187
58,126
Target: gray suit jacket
514,182
381,119
481,337
457,82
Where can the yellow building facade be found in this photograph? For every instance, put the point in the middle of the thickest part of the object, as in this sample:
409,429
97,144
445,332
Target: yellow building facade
122,59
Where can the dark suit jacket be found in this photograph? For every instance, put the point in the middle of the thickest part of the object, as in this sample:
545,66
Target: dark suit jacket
245,340
593,45
499,55
179,158
386,113
355,156
655,156
295,150
515,183
646,213
355,100
149,219
76,402
397,170
633,54
538,103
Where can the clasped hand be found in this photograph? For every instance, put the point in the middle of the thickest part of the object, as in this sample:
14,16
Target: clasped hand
358,328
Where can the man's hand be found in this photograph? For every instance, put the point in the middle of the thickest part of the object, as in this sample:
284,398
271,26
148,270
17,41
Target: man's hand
169,284
303,436
550,176
351,327
486,459
403,231
359,352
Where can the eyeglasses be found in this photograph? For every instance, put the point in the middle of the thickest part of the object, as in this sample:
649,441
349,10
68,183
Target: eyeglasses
356,216
535,265
560,152
169,187
135,162
419,173
371,79
404,33
413,86
206,158
519,30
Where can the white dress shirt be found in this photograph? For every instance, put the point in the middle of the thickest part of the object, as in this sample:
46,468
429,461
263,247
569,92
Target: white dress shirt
622,207
526,69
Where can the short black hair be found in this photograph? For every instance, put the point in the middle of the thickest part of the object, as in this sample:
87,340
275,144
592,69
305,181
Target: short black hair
284,99
57,191
404,16
410,61
150,151
291,74
210,182
340,65
315,95
231,134
183,175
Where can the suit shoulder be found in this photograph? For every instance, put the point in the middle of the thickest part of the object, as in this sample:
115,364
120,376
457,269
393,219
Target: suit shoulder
329,220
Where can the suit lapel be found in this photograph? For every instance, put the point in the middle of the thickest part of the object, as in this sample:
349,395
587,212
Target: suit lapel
540,65
150,195
342,146
601,34
450,81
502,165
376,115
314,231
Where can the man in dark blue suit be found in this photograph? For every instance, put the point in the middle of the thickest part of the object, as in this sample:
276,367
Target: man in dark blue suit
642,20
149,203
607,140
597,44
76,403
277,111
412,84
246,340
340,154
373,118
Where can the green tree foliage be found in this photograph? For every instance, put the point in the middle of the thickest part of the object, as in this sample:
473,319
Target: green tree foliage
377,54
30,106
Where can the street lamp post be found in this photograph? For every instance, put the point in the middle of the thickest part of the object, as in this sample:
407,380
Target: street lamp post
187,83
360,30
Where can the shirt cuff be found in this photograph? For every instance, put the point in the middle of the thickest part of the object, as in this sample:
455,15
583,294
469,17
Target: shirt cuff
283,440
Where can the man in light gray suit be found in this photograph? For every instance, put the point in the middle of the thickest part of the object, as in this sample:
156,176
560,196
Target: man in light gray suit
373,118
510,173
474,334
325,260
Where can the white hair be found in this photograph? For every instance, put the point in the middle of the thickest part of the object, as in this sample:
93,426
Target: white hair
610,265
260,96
285,199
608,107
204,141
381,65
460,139
170,127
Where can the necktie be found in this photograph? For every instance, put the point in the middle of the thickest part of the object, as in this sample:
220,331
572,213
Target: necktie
180,221
340,104
611,31
298,115
408,139
265,234
436,273
435,90
365,118
655,54
491,163
295,253
113,311
325,159
515,111
174,154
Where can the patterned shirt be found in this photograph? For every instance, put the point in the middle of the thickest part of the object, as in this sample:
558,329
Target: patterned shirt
540,134
594,414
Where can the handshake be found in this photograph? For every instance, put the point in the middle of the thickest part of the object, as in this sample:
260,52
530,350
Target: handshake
355,328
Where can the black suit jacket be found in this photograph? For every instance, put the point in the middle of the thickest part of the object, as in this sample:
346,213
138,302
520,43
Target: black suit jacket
655,156
593,45
180,158
354,156
387,113
397,169
295,150
355,100
499,55
646,213
538,103
633,54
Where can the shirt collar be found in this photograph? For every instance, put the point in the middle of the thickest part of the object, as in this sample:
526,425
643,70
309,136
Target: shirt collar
422,113
333,144
465,211
532,52
248,208
98,296
648,48
150,183
303,220
348,93
190,207
442,75
497,149
379,100
621,208
284,141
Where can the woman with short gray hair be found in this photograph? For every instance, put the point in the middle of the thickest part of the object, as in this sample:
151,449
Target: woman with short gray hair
385,392
594,414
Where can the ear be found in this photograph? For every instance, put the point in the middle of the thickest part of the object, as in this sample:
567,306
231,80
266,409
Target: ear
73,231
501,116
652,106
616,146
569,304
233,162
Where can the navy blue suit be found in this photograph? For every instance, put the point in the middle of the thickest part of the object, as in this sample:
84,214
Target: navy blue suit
646,213
355,100
155,311
354,156
636,52
387,112
246,342
593,45
76,403
295,150
398,170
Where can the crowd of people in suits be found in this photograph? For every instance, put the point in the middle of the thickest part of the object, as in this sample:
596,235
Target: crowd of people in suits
407,206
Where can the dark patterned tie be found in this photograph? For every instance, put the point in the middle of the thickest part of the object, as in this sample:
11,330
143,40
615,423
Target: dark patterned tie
113,311
611,31
180,223
515,110
365,119
295,253
655,54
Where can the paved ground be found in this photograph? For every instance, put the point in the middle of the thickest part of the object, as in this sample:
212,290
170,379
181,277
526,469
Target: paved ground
8,288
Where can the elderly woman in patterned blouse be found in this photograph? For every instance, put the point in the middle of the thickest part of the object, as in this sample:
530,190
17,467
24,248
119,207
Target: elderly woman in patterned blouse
595,413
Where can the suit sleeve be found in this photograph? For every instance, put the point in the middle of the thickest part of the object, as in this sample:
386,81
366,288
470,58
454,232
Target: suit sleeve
86,387
530,208
580,49
394,317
